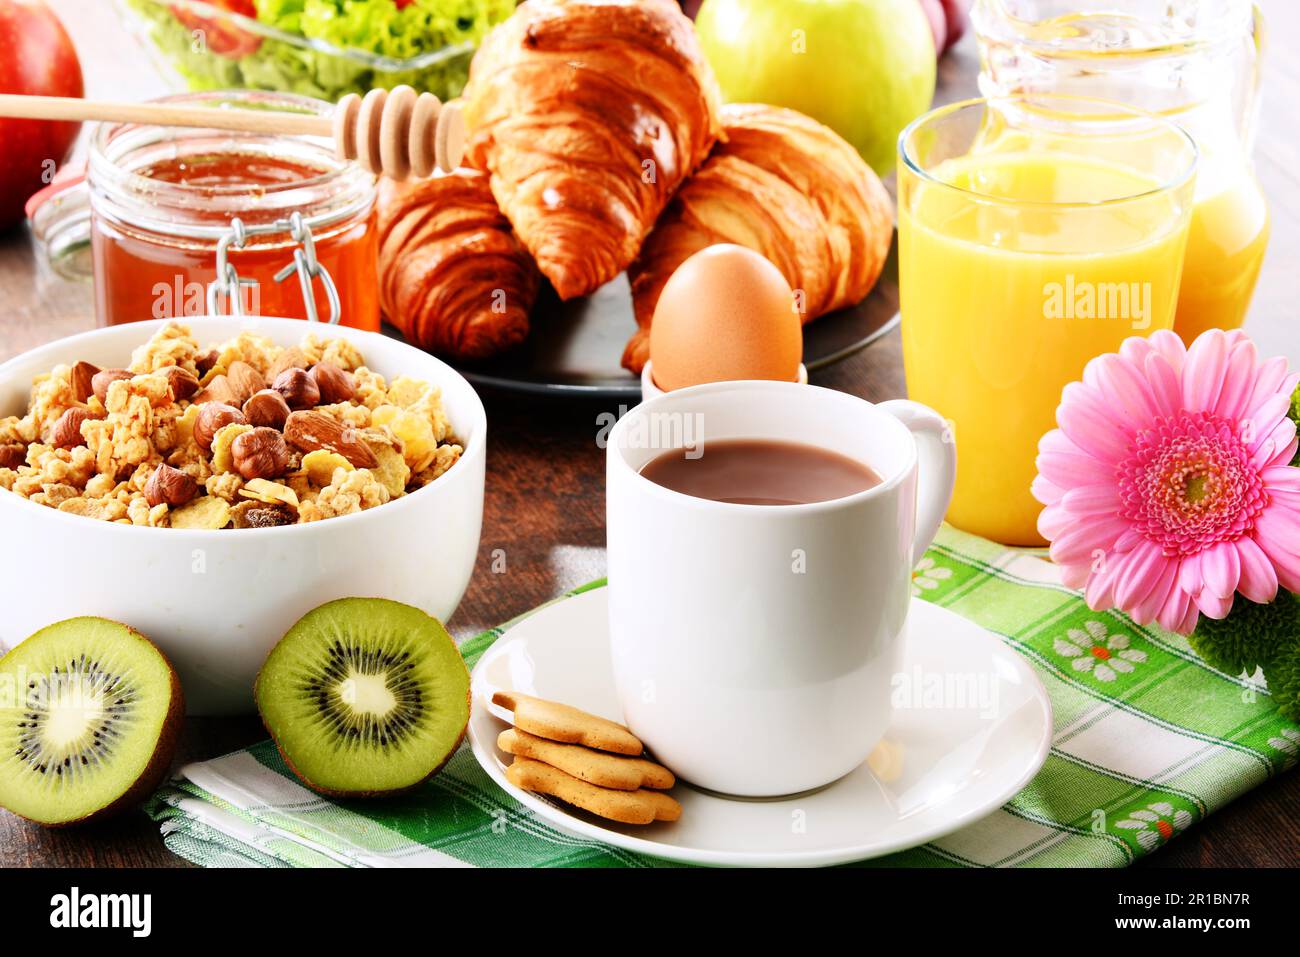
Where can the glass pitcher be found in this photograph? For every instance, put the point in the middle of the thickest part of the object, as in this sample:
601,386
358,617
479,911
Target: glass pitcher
1194,61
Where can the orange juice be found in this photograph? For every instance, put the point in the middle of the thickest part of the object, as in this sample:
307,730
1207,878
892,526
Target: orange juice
1011,282
1225,249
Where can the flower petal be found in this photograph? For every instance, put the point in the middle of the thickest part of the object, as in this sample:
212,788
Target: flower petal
1098,435
1238,381
1066,649
1176,610
1221,568
1276,532
1120,381
1258,579
1094,499
1148,606
1213,606
1143,572
1166,392
1207,360
1269,379
1085,541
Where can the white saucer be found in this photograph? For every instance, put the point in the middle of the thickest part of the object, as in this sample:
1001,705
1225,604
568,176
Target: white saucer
948,759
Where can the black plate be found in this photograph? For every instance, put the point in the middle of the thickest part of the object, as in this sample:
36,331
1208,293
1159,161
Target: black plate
575,348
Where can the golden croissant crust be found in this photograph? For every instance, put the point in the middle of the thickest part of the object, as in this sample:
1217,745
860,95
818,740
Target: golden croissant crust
453,278
788,187
588,114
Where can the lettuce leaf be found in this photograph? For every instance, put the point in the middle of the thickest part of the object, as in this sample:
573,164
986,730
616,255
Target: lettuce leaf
375,27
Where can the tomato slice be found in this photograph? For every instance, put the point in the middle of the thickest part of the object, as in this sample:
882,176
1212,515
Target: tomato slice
221,36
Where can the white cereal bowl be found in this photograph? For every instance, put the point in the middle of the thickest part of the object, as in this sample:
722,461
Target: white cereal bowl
217,601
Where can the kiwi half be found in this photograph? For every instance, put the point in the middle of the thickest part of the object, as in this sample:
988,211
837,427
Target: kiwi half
90,712
365,697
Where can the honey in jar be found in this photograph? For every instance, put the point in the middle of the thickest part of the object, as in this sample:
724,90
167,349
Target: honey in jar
162,199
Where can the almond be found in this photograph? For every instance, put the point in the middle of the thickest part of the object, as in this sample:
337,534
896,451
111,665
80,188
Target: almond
183,384
217,390
308,431
83,374
290,358
244,381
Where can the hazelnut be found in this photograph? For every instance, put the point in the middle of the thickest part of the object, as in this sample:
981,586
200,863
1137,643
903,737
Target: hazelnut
212,418
298,388
169,486
100,381
266,407
335,384
67,430
182,383
12,455
244,381
205,362
83,375
260,453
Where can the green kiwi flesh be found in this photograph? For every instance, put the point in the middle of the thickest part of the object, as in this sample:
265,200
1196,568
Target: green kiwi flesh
365,697
90,712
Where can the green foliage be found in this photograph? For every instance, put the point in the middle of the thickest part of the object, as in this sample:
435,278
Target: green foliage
1257,636
1284,680
1294,415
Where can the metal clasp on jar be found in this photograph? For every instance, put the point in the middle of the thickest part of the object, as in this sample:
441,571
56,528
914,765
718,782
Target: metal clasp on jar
229,284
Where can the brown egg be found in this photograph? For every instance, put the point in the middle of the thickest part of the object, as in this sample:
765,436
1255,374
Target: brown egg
726,313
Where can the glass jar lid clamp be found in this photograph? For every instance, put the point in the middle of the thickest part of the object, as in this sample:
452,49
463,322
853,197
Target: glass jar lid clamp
229,284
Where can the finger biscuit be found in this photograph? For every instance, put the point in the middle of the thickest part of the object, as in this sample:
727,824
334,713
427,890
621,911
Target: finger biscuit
627,807
594,767
559,722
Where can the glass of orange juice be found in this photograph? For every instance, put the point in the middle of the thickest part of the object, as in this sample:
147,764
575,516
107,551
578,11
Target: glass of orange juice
1197,62
1035,232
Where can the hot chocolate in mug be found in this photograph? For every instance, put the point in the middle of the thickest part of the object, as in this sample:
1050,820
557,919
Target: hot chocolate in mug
754,645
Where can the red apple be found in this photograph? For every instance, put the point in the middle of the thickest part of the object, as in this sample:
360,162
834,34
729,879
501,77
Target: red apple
938,24
36,57
221,35
957,16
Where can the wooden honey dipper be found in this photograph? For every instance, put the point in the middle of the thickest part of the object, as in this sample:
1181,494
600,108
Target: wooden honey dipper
394,133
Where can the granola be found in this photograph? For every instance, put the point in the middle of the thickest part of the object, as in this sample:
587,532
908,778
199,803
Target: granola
135,453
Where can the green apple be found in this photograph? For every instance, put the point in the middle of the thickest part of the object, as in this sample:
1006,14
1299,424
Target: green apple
865,68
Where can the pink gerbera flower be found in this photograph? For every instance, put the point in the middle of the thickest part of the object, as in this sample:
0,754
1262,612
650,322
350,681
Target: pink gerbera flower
1168,486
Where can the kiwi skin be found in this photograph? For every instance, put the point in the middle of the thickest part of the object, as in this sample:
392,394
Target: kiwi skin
158,765
362,794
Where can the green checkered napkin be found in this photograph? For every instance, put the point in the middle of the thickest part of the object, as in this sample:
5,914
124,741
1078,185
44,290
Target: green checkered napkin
1148,741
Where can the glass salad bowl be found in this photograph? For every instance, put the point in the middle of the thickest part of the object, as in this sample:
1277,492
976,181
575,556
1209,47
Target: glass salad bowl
318,48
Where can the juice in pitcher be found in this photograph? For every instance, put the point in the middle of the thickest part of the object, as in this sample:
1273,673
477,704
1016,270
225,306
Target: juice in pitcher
1033,237
1196,63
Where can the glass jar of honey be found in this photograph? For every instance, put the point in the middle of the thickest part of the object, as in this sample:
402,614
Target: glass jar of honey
292,225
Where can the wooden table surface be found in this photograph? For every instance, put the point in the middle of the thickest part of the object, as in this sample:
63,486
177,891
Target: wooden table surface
545,499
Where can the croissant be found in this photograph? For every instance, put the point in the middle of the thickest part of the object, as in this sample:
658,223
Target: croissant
788,187
453,278
588,114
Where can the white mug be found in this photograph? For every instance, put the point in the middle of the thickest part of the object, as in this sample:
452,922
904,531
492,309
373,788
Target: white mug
754,645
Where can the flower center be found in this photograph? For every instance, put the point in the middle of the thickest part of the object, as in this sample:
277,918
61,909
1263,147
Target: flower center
1100,653
1189,483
